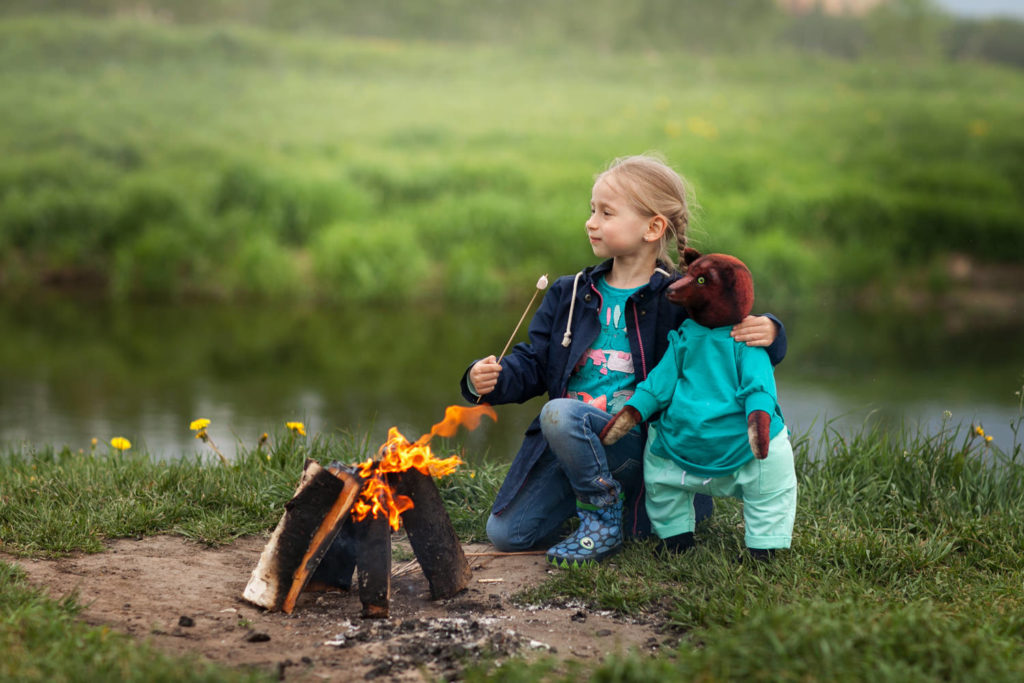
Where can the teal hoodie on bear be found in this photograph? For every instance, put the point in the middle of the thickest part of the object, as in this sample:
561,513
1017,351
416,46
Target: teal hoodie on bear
706,384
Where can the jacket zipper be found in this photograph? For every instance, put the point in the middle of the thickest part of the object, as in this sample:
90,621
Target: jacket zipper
600,304
643,367
639,341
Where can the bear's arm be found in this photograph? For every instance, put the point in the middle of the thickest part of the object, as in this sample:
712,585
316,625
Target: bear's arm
655,393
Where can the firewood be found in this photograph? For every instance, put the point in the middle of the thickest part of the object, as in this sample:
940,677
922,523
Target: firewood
431,534
373,564
311,520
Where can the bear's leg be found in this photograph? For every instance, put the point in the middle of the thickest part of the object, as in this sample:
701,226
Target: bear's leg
679,543
761,554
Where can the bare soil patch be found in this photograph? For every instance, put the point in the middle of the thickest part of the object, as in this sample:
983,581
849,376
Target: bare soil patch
186,598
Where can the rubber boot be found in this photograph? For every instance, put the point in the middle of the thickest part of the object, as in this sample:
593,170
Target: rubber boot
598,536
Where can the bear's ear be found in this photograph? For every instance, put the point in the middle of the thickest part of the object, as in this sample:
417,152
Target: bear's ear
690,255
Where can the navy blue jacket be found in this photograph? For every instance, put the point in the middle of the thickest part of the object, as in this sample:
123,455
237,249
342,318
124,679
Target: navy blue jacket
543,365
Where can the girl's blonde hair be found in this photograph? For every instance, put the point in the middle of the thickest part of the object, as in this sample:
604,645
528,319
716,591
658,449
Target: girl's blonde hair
653,188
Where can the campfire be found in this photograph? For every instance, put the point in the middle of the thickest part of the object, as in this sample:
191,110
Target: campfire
369,501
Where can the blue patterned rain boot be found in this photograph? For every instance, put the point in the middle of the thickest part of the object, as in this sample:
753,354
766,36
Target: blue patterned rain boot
598,536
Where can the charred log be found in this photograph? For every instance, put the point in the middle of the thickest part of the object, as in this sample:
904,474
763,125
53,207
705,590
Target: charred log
312,519
431,534
373,562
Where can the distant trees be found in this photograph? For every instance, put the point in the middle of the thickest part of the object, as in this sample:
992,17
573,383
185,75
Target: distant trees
896,28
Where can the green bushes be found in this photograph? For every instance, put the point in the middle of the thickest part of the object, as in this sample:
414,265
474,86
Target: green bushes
226,162
379,260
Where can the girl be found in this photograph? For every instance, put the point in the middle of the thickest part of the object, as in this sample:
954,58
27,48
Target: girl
593,338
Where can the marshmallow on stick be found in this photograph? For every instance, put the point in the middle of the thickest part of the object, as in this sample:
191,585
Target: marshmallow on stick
542,283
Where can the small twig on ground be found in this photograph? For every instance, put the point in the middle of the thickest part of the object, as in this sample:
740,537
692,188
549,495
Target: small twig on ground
497,553
407,568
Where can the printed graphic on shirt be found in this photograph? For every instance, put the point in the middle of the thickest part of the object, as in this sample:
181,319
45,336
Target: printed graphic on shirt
604,377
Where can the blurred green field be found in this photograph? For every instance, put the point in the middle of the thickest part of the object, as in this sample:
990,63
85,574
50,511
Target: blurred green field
150,160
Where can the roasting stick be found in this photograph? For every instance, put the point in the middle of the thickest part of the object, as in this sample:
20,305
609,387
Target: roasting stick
496,553
541,284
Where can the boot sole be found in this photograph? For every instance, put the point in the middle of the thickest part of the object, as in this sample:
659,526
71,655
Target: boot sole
566,563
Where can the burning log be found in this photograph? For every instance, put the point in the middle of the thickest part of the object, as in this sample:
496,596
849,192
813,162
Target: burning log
312,518
369,500
431,534
373,564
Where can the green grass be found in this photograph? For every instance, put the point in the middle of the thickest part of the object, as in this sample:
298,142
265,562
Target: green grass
906,565
162,161
57,502
906,561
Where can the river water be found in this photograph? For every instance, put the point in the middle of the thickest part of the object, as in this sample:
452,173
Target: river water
76,369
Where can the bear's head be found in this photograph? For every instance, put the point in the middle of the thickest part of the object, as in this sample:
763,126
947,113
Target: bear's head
716,290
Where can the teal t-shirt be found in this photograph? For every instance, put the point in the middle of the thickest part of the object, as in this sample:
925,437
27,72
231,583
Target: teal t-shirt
604,377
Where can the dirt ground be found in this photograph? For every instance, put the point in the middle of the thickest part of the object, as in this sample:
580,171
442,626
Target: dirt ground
186,598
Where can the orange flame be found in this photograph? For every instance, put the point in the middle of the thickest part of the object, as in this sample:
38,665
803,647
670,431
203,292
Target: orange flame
397,454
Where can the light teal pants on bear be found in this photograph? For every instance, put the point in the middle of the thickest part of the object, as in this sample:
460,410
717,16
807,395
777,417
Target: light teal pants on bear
766,487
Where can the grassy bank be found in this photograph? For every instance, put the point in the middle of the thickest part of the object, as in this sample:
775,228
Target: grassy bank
906,563
144,159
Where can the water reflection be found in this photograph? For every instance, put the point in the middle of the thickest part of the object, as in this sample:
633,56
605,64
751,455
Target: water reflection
71,370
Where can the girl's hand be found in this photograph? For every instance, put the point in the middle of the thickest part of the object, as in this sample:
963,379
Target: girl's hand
484,375
755,330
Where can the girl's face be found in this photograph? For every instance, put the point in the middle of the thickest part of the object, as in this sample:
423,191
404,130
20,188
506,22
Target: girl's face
615,228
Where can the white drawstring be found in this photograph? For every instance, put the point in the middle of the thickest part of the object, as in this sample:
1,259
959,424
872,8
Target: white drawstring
567,338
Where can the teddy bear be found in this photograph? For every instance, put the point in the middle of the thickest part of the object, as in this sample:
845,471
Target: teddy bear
715,425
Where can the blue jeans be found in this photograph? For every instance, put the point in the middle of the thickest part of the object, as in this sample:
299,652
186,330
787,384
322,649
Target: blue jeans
575,466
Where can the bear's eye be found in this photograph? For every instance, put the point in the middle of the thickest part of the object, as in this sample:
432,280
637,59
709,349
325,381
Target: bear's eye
700,280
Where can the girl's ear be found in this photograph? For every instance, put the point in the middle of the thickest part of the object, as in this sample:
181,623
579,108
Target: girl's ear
656,228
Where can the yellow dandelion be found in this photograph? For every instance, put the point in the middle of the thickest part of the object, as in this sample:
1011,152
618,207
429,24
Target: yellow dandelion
979,431
296,427
120,443
978,128
95,441
199,425
988,438
701,127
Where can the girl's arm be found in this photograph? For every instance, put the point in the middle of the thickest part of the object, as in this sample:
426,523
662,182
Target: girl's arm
522,373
